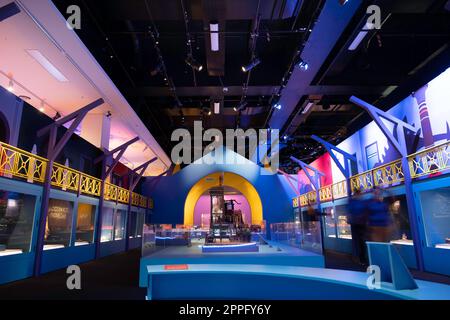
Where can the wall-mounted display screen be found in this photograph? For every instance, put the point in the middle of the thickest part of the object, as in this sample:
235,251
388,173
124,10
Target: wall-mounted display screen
16,222
85,224
58,228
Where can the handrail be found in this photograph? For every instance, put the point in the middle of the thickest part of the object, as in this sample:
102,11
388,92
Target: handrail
15,162
425,162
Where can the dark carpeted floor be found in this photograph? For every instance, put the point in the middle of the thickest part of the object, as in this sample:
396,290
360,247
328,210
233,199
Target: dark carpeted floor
116,278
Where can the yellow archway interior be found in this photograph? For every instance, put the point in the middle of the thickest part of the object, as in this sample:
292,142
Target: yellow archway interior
231,180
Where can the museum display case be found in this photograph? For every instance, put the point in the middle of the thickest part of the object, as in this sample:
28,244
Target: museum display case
330,222
85,224
58,228
16,222
343,227
119,224
107,224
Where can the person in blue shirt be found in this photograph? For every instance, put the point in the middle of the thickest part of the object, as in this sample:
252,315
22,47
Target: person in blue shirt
379,219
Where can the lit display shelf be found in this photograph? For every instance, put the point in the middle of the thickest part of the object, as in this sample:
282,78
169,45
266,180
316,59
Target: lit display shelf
81,243
10,252
405,242
443,246
53,246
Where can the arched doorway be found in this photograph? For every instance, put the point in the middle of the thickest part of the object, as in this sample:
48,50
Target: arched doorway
204,206
232,180
4,129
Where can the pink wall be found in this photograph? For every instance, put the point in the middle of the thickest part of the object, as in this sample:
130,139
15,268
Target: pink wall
203,205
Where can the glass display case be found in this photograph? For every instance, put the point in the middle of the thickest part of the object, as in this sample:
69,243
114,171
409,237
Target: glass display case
401,232
330,222
16,222
436,217
58,228
119,224
132,224
107,224
85,224
343,227
304,235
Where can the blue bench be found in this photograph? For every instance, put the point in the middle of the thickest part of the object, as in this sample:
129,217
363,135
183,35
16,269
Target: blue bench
274,282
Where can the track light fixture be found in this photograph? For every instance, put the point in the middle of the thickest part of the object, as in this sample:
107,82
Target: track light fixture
343,2
190,61
251,65
241,106
277,106
303,65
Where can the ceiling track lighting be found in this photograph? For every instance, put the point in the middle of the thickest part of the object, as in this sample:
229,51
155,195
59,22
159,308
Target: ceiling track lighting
241,106
303,65
343,2
190,61
277,106
42,106
251,65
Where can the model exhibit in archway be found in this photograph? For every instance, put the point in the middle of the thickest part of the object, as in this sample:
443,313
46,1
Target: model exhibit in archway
226,150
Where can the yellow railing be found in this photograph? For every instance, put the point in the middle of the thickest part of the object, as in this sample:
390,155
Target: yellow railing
303,200
312,197
388,174
134,199
426,162
21,164
325,194
430,161
362,181
142,201
123,195
65,178
339,189
18,163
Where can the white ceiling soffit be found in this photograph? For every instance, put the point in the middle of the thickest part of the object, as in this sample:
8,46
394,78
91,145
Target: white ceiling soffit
38,36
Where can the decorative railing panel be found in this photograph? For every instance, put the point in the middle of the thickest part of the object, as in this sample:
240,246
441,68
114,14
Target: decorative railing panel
134,199
21,164
90,185
303,200
64,177
339,189
110,192
123,195
142,201
362,181
325,194
430,161
389,174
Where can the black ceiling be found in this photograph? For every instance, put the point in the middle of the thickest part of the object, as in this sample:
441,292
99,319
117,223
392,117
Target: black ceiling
130,39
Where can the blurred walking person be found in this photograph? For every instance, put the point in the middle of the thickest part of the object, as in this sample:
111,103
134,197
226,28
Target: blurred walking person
379,219
358,221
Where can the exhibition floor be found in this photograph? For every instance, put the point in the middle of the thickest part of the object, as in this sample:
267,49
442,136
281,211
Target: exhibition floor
116,277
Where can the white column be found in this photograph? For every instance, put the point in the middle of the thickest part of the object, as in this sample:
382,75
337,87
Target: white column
96,129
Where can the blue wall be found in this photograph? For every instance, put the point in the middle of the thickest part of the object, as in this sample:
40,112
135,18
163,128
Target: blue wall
170,193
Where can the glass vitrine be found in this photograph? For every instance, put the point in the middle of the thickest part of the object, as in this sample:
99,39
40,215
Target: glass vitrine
16,222
119,224
107,224
343,227
330,222
85,224
58,227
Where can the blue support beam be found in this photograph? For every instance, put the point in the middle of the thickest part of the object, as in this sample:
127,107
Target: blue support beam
345,168
400,145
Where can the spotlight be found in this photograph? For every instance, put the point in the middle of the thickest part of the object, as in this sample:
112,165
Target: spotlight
41,108
209,112
277,106
303,65
241,106
343,2
11,85
190,61
251,65
214,29
108,114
